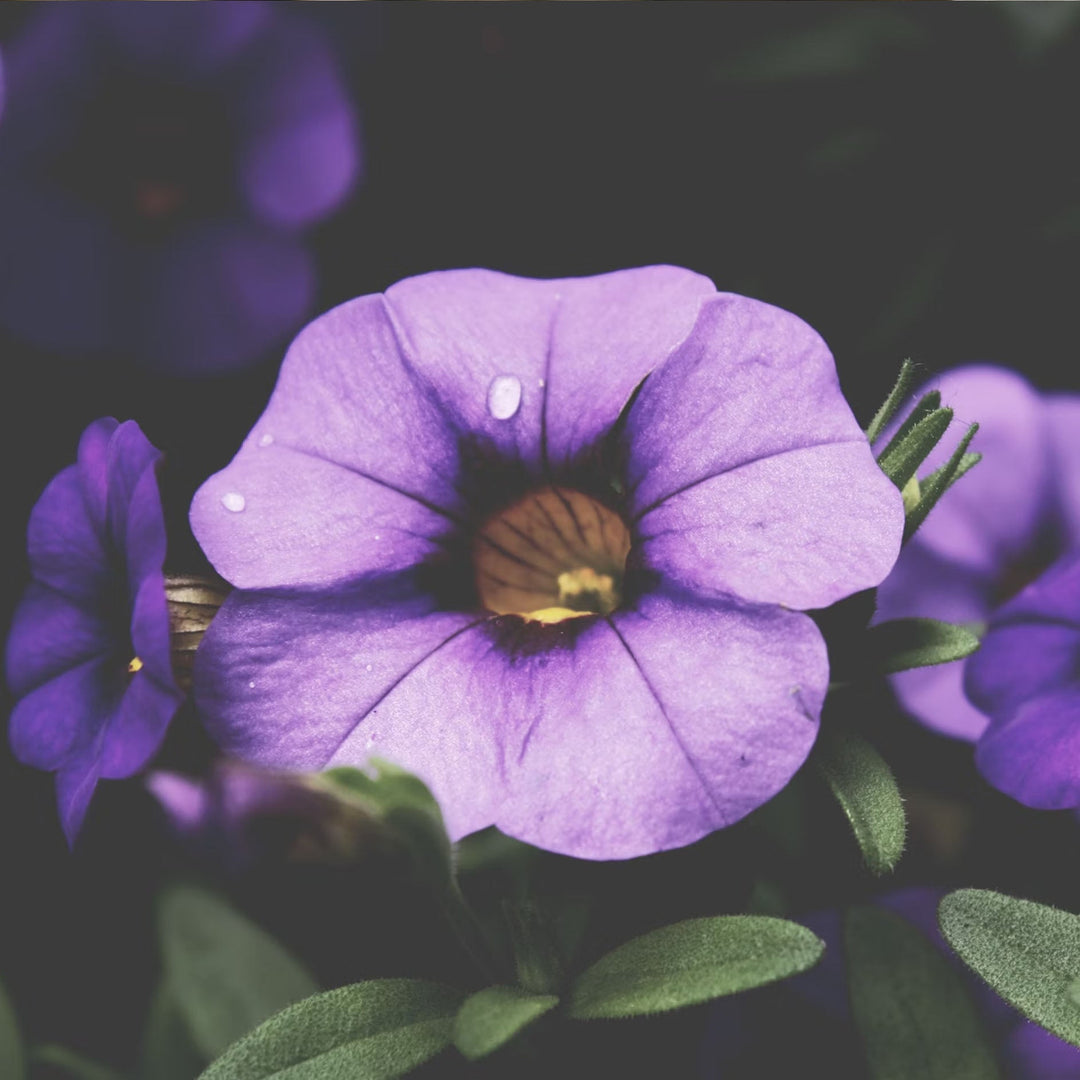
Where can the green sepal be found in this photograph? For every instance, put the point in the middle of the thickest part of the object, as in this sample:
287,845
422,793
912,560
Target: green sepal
368,1031
75,1066
911,1008
404,804
691,962
1029,953
902,644
491,1017
168,1051
866,790
910,446
891,405
226,973
534,936
12,1056
939,481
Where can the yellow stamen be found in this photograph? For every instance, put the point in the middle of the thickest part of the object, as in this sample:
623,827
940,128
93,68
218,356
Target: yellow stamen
135,665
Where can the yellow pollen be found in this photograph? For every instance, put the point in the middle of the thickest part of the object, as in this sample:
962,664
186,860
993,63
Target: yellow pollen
556,554
135,665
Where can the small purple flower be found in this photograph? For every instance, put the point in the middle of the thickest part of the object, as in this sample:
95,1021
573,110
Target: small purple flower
1002,525
1026,678
157,163
543,543
88,653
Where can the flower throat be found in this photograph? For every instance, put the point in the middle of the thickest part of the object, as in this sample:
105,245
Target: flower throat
556,554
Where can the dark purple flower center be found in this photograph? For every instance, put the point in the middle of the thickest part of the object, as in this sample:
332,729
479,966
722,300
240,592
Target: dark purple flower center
151,154
553,555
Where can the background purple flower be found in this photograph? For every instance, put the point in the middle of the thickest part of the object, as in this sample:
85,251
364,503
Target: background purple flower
1005,522
156,165
1026,678
407,430
88,653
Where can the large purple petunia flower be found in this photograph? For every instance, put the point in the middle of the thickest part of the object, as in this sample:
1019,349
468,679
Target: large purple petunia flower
1026,678
157,163
462,543
1005,522
88,654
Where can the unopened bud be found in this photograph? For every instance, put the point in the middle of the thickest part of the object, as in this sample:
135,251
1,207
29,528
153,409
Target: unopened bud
193,602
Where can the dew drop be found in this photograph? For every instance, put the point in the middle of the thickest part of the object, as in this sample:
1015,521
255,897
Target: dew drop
367,667
266,440
251,685
233,501
504,396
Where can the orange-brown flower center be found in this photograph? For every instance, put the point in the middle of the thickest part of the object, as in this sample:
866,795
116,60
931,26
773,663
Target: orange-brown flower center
555,554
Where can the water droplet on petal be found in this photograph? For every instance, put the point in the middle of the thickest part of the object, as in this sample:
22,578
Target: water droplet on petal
233,501
367,667
541,383
251,685
504,396
266,440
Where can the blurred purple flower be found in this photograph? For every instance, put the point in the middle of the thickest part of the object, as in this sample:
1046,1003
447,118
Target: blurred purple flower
1002,525
157,163
239,816
88,653
458,551
1026,678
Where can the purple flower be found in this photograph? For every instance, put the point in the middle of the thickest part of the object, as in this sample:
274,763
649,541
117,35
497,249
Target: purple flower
996,530
88,654
157,163
464,544
1026,678
239,816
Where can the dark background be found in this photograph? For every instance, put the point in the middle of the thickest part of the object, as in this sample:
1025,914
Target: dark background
905,177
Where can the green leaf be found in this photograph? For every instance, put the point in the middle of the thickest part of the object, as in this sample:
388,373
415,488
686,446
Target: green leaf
1029,953
168,1051
866,790
493,1016
693,961
227,974
911,1008
403,802
369,1031
12,1059
903,456
74,1065
891,405
900,644
939,481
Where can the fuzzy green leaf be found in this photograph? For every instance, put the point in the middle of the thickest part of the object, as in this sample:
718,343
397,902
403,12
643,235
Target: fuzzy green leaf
908,450
911,1008
866,790
493,1016
939,481
901,644
369,1031
168,1051
693,961
227,974
891,405
12,1058
1029,953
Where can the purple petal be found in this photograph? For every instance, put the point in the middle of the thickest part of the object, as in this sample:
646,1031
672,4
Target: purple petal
577,347
300,153
1063,415
923,584
186,801
993,515
1034,756
49,635
219,296
1052,597
150,631
93,464
58,715
1035,1054
748,472
136,728
183,40
144,541
65,545
75,784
